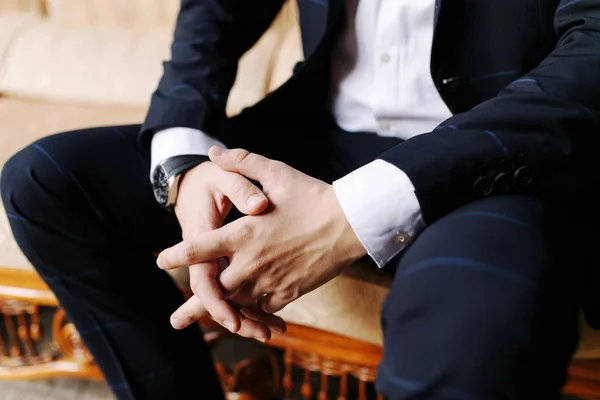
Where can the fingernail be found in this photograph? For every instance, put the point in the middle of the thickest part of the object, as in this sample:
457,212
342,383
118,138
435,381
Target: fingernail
254,200
277,331
218,151
261,339
228,325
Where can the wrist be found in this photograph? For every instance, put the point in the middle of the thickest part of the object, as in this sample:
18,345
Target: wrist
167,177
349,246
190,174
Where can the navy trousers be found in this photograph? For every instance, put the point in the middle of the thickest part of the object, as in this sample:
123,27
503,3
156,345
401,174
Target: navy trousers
483,304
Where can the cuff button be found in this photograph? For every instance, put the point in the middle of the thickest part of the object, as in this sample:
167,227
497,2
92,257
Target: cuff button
402,237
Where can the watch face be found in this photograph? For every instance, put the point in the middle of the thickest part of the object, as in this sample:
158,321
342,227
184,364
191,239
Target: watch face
160,186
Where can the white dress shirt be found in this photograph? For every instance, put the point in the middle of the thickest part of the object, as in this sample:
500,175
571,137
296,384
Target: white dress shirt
381,83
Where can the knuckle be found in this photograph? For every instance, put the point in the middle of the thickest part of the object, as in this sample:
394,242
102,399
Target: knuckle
198,287
244,234
240,156
240,187
208,221
277,167
215,309
289,293
258,264
189,252
277,164
271,284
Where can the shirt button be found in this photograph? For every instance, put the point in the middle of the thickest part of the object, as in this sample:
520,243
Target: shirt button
384,126
385,58
402,237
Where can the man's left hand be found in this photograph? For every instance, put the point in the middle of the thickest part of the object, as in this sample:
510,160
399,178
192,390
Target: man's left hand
301,241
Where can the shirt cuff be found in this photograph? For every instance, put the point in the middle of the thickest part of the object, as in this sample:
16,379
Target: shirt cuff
179,141
380,203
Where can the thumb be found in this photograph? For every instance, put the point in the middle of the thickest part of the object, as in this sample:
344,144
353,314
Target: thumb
243,162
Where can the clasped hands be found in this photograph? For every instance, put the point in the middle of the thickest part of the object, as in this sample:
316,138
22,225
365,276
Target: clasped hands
293,238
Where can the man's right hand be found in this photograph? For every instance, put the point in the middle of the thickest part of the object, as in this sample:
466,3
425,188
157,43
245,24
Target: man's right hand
205,198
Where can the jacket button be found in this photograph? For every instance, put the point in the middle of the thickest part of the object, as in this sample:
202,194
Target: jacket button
502,182
524,176
484,186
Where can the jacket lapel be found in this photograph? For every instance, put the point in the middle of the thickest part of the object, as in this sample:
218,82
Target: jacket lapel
438,7
317,20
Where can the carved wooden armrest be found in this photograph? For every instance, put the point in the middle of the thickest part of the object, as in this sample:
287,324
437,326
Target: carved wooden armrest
36,340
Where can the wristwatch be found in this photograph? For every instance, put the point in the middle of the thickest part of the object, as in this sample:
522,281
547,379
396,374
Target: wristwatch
167,175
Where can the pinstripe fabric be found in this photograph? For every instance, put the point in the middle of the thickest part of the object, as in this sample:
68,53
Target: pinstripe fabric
483,306
82,211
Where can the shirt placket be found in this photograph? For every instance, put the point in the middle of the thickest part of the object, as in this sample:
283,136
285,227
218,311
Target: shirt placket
386,74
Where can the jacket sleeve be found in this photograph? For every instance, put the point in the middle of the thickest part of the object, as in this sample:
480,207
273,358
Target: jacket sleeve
533,129
210,37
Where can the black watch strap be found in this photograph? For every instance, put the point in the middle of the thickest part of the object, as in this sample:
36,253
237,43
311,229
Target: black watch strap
179,164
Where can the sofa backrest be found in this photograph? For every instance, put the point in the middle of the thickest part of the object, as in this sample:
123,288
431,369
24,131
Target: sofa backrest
22,5
138,14
111,51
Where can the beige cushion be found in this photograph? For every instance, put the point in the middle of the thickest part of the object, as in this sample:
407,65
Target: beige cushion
136,14
349,305
10,255
21,5
110,64
101,65
12,24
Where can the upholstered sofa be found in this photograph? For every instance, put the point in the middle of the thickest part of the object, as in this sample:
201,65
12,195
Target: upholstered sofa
67,64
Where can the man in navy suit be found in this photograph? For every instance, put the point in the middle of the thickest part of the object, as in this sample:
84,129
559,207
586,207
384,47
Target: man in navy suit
451,141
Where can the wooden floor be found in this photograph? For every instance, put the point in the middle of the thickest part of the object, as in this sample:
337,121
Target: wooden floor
61,389
56,389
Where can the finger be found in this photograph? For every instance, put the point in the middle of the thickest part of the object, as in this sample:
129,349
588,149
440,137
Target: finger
192,310
208,291
189,312
245,296
276,324
251,165
242,193
253,329
248,297
232,279
272,303
198,249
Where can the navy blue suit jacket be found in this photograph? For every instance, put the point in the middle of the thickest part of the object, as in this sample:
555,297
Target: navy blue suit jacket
522,78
